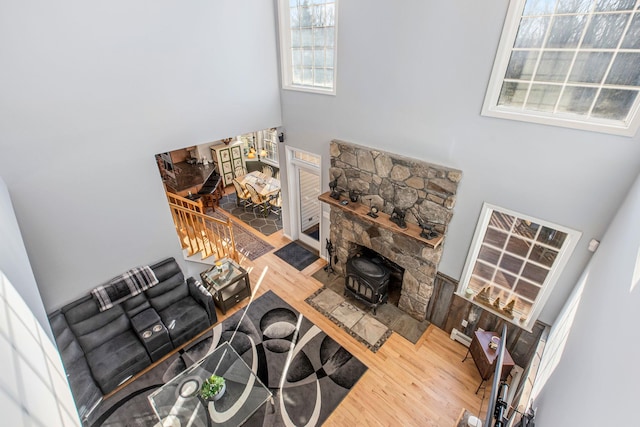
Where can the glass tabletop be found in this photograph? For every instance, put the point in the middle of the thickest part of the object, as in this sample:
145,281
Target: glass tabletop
178,403
220,277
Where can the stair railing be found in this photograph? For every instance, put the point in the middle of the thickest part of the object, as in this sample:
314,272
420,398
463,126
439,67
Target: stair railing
200,233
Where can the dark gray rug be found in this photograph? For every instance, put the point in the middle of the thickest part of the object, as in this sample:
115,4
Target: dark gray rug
307,388
296,255
247,243
251,217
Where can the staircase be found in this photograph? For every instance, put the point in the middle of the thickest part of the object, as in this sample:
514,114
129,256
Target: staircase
200,233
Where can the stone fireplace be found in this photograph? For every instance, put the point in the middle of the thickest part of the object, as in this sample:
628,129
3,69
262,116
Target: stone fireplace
423,191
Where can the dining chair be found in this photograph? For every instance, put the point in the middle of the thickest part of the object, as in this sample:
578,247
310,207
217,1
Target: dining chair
257,200
275,203
267,170
239,171
242,196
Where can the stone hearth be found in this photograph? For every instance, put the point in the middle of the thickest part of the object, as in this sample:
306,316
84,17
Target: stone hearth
389,181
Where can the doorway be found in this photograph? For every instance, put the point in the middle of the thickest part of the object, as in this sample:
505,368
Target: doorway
304,173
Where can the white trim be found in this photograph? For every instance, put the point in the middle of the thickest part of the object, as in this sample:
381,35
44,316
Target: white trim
284,31
293,165
490,107
564,253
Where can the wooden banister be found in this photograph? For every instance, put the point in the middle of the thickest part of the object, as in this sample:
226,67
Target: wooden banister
200,233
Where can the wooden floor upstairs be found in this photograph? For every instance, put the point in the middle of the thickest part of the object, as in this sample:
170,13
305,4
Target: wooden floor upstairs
422,384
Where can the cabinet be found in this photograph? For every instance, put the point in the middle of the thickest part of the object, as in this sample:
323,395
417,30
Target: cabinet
229,284
229,161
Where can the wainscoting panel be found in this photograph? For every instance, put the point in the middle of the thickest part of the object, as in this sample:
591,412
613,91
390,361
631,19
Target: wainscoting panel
447,311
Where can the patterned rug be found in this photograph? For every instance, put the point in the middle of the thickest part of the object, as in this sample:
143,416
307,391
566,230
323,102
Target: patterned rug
306,370
247,243
251,217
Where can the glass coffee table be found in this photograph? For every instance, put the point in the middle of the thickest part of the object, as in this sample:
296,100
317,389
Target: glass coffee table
177,403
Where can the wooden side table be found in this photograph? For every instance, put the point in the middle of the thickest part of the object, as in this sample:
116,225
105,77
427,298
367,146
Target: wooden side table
485,357
228,286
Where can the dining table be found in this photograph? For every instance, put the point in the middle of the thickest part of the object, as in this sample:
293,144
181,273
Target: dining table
265,185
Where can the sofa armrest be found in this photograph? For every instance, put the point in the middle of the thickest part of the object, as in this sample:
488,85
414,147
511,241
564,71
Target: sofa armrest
203,297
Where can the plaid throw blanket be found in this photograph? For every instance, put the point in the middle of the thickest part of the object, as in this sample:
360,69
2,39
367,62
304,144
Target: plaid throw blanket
125,286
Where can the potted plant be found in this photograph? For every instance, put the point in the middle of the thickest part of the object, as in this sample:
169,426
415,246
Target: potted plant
213,388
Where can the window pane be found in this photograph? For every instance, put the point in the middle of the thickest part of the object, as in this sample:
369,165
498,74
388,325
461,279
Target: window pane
574,6
531,32
566,31
495,238
632,39
329,58
614,104
489,255
625,70
297,76
294,18
552,237
554,66
534,273
605,31
307,76
476,284
505,280
484,271
306,37
518,246
539,7
605,5
305,16
318,77
513,94
501,221
543,255
330,17
543,97
511,264
318,58
526,228
318,16
307,58
296,58
577,99
590,67
318,37
295,38
521,65
527,290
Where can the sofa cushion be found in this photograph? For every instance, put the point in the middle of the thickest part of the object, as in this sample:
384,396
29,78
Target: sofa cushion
184,319
86,393
117,359
92,327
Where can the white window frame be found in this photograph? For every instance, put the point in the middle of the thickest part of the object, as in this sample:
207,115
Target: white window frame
284,28
491,108
564,253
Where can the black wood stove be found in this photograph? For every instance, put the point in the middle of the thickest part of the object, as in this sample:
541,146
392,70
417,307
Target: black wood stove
367,280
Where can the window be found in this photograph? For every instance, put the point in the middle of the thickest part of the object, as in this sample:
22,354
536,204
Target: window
308,44
513,263
572,63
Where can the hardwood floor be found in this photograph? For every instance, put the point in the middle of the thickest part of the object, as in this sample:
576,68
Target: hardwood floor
425,384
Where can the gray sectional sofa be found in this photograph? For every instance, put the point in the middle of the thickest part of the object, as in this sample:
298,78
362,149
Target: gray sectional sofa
102,349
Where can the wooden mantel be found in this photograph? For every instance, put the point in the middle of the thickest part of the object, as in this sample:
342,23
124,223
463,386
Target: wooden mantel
413,230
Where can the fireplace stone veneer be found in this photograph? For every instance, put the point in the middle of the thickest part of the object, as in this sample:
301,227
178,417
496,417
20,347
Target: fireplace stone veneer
388,181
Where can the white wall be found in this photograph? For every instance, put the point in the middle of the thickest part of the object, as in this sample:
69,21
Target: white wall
28,358
411,80
90,92
14,261
595,383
